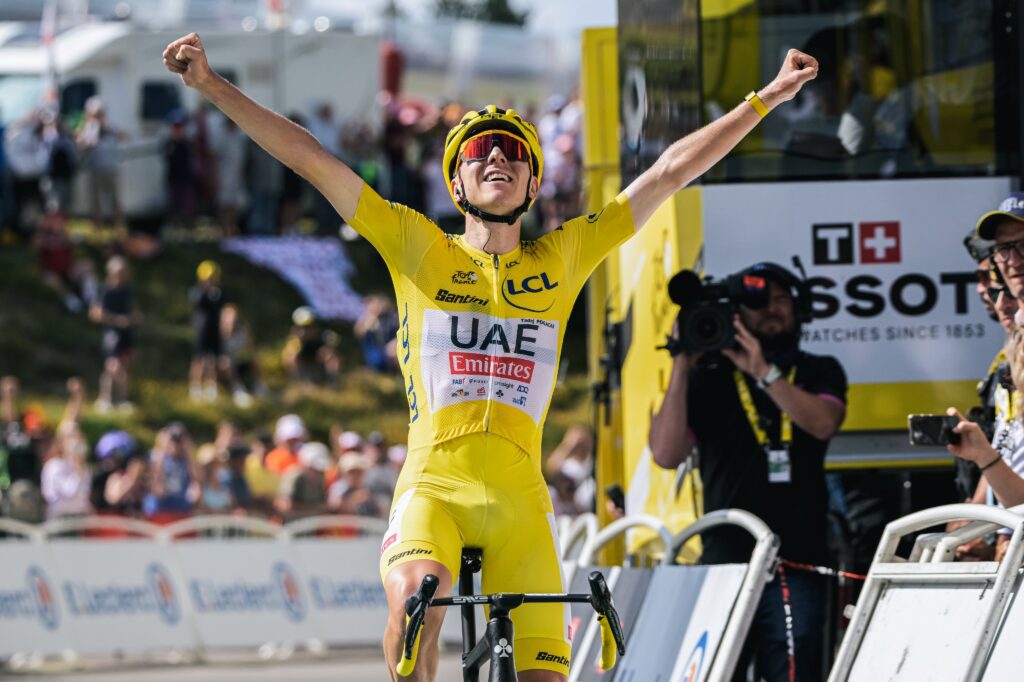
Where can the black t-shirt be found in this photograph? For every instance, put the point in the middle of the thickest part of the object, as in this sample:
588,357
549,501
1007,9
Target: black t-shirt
117,300
734,467
19,454
207,304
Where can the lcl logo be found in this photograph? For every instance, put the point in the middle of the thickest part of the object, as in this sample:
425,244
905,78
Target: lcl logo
877,242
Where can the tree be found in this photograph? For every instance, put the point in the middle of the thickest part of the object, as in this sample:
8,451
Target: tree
493,11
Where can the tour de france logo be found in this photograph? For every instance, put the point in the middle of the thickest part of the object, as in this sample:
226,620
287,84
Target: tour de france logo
167,604
39,587
291,593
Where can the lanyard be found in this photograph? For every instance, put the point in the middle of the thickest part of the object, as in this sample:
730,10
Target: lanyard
998,360
786,430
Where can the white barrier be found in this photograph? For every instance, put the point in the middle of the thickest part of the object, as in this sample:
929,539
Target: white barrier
682,622
144,594
930,618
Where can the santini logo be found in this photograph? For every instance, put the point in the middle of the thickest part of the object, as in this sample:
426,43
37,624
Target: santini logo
408,552
446,296
552,658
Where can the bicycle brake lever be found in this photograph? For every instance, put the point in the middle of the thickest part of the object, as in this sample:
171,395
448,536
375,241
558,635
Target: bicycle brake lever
415,612
601,600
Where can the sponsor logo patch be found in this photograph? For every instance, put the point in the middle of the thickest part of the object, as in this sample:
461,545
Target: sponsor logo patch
445,296
409,552
485,365
552,658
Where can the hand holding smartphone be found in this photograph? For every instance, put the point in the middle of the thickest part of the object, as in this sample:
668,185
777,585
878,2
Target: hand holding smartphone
933,429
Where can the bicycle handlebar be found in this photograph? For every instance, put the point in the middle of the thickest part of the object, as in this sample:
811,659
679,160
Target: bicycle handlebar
415,612
600,598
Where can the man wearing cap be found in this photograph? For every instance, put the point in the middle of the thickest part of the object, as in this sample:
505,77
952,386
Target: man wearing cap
289,435
207,299
482,317
760,417
1005,226
303,490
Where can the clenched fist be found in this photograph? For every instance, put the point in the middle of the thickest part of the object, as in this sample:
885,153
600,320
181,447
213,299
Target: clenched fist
187,58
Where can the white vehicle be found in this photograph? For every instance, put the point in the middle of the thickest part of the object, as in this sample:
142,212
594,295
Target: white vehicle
121,63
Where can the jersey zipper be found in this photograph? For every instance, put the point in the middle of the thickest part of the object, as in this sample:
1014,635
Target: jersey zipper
490,351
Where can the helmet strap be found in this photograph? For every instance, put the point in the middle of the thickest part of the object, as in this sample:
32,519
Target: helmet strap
509,219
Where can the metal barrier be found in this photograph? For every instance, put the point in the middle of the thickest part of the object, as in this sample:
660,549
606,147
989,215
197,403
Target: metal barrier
930,618
617,528
575,531
681,622
106,584
363,525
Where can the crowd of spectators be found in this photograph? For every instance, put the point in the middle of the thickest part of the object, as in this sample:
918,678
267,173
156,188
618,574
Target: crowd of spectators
212,170
51,472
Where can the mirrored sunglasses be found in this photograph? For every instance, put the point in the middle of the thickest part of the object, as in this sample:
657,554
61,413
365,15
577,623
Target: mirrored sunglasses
479,148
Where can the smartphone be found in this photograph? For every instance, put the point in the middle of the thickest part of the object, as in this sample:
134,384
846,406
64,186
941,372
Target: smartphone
932,429
615,494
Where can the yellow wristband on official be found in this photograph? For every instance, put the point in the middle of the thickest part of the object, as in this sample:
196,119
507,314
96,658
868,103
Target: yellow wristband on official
756,102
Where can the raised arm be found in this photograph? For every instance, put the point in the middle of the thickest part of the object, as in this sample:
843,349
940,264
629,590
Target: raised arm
689,158
287,142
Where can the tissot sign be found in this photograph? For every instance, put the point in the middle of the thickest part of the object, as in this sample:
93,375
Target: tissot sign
893,287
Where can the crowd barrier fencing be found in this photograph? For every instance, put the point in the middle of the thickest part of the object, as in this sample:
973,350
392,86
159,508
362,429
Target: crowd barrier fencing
928,617
680,622
196,584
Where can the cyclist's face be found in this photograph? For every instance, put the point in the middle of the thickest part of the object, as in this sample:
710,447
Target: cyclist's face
1009,256
495,184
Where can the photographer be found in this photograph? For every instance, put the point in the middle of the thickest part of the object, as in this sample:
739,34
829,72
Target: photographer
760,414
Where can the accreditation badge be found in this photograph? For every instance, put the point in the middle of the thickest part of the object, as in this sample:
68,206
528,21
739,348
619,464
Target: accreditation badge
779,468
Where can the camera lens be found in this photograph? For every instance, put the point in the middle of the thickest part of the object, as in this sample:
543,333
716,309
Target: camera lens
708,327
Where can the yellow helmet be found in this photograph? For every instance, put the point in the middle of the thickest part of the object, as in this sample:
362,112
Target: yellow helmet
473,123
208,269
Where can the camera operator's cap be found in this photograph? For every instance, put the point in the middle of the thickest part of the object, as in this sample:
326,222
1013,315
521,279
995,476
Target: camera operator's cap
978,248
1012,208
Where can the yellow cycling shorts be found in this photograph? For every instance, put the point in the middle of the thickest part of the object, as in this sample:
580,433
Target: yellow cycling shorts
481,490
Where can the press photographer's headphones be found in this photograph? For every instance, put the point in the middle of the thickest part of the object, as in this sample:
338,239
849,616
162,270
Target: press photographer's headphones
797,287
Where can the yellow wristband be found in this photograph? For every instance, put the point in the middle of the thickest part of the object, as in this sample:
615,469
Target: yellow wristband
756,102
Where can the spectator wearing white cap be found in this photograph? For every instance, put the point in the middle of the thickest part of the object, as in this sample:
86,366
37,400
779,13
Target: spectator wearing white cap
302,489
348,495
289,435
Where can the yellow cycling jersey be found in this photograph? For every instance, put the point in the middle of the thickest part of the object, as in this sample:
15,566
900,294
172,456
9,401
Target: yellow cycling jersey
481,334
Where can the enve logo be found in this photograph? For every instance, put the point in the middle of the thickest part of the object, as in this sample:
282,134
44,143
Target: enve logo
159,581
42,594
291,593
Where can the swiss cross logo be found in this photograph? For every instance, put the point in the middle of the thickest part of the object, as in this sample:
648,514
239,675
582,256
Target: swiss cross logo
879,242
876,242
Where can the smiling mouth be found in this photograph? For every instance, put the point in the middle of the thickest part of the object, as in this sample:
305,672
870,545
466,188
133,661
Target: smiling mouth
496,177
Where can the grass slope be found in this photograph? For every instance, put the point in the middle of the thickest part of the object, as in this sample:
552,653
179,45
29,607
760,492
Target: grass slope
42,344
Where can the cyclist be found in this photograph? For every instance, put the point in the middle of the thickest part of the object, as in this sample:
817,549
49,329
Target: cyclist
482,318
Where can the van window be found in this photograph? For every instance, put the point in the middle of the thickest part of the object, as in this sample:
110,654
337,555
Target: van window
159,98
74,94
